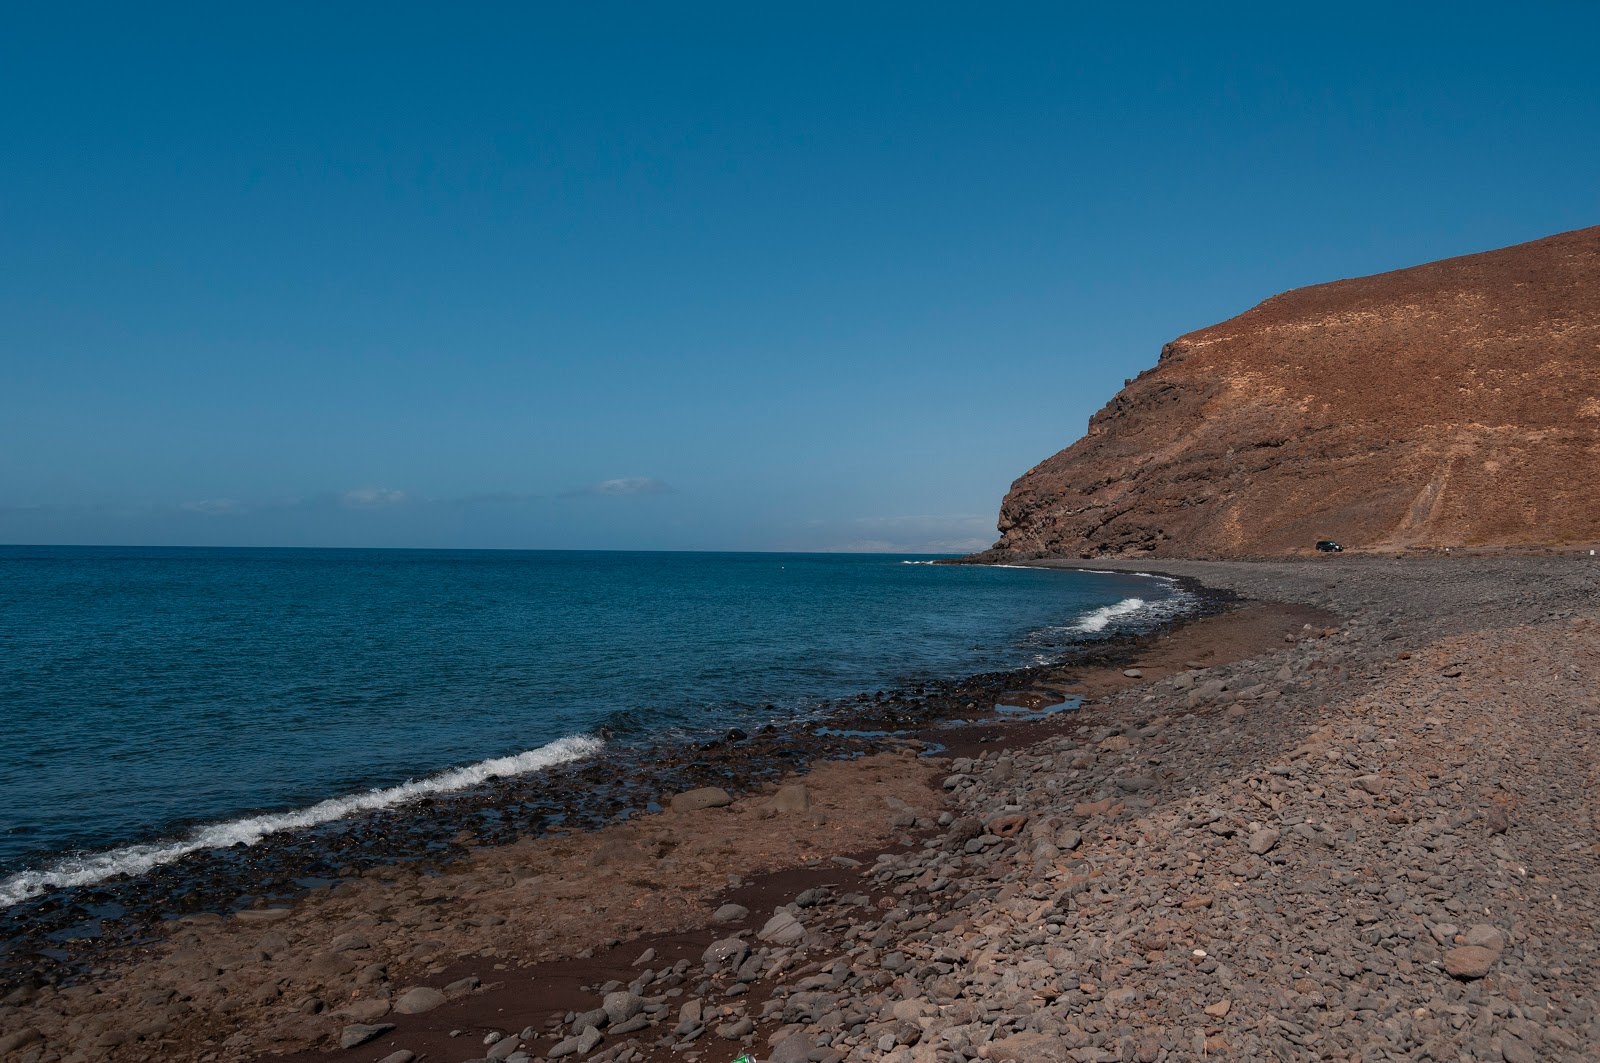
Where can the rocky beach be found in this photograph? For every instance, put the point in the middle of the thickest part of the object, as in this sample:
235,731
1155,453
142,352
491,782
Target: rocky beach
1349,817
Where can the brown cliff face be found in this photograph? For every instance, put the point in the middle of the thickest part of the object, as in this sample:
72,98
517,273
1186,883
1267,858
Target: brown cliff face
1454,403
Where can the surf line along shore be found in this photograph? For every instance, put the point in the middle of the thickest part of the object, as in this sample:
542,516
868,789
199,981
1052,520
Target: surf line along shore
60,919
1357,833
551,897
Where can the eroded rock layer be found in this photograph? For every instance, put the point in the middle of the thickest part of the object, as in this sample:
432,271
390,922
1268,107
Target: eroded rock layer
1452,403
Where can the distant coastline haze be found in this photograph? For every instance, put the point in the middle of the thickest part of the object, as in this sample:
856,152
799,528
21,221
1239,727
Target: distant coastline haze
704,277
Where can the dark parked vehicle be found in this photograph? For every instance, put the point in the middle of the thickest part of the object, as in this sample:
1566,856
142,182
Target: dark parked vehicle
1328,546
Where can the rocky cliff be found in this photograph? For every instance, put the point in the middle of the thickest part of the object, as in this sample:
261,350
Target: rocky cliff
1448,404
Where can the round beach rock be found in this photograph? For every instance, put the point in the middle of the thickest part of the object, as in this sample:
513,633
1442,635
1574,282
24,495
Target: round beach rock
730,913
792,798
418,1000
704,797
1470,961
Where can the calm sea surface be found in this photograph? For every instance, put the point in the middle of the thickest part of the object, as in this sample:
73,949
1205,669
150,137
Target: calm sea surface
148,696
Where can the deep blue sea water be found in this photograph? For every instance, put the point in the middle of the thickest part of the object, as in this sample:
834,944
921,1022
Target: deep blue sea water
157,699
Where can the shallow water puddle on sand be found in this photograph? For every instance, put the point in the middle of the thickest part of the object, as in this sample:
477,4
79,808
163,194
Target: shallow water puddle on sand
1023,712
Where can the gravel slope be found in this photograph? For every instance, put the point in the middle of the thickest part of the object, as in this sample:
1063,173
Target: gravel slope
1376,843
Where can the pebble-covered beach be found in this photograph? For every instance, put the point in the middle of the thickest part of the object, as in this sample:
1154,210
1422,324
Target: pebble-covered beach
1353,825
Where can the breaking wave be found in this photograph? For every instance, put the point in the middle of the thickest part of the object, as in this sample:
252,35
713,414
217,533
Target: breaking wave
86,869
1101,618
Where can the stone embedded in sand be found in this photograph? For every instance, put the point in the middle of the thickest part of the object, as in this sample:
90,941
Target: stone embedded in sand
964,829
1007,826
359,1010
404,1055
704,797
418,1000
734,1030
906,1010
792,798
728,950
621,1006
1262,841
1470,961
272,944
1028,1048
263,915
503,1049
1133,673
730,913
616,850
1485,936
12,1041
796,1048
462,986
360,1033
330,965
1514,1049
782,929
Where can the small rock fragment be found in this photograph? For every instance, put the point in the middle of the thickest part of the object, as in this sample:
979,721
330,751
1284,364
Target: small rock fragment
704,797
359,1033
1469,961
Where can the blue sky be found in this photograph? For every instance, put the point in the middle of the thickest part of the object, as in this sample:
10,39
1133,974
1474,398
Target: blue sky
694,276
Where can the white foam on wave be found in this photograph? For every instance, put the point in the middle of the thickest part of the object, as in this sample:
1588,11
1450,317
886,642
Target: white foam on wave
83,870
1099,619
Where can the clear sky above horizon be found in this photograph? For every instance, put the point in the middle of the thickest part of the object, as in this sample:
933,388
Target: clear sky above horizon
701,276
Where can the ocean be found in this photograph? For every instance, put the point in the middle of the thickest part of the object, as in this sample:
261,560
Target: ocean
159,701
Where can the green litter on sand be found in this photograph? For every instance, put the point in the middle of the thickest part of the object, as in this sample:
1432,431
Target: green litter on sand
744,1059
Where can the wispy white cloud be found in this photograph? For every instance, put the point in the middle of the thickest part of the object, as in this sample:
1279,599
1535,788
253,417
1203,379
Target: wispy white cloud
215,507
912,546
925,520
491,498
626,485
373,497
924,533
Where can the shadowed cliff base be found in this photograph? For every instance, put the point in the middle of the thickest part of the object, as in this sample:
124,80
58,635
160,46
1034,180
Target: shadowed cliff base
1454,403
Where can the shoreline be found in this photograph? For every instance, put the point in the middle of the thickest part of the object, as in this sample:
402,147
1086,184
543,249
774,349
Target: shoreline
68,930
1104,884
914,719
